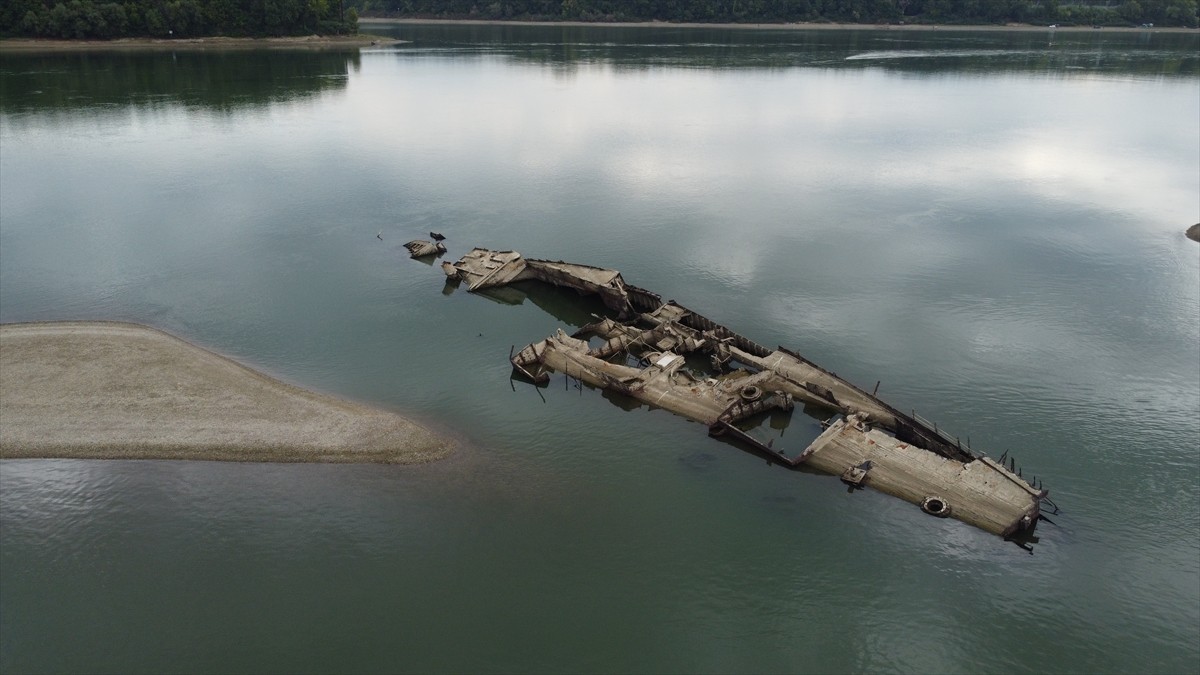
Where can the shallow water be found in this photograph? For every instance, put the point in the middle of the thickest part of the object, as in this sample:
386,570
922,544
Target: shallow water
989,223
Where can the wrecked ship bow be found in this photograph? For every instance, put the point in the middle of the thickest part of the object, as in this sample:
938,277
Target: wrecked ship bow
642,353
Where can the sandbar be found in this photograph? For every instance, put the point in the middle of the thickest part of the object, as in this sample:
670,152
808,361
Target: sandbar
110,390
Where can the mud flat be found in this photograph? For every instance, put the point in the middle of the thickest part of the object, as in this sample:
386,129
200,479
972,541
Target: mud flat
101,390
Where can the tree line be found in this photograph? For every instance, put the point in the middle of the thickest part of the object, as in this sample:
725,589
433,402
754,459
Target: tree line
1077,12
101,19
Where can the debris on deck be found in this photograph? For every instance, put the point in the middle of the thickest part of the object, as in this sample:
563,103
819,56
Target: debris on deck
419,248
867,442
663,382
482,269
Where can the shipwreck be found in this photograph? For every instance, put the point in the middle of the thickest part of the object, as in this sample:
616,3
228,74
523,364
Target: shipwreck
647,348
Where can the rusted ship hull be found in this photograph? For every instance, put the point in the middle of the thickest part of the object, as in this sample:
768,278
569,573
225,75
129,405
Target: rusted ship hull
867,443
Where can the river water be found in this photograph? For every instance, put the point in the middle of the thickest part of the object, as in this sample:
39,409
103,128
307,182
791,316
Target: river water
990,224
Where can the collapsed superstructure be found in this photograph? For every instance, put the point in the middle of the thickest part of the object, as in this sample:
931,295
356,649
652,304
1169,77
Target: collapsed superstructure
642,353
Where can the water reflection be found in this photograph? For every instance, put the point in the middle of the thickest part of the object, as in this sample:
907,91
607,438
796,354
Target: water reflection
1004,252
222,81
563,304
565,49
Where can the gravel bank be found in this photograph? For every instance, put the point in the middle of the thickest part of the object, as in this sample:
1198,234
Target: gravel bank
123,391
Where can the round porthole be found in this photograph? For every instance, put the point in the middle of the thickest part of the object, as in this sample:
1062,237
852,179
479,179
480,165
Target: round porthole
751,393
936,506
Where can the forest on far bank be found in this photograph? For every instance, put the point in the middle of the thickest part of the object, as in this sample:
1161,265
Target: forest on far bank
1082,12
108,19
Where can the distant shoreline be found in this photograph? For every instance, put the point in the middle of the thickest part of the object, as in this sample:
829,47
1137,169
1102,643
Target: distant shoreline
785,26
307,42
110,390
359,41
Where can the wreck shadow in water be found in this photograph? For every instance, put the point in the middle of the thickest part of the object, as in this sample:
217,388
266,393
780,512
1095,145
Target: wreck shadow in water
564,304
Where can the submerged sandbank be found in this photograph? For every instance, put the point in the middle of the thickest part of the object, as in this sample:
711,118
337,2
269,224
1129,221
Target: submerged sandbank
101,390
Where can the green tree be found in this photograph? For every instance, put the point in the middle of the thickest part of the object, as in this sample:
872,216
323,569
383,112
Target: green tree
1182,13
1131,11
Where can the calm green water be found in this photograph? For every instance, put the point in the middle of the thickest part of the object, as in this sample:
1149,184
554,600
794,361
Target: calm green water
990,223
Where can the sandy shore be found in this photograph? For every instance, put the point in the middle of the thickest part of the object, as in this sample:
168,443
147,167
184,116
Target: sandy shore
782,26
122,391
308,42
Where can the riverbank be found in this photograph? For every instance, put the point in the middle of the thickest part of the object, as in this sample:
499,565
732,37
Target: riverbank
366,40
106,390
782,26
306,42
